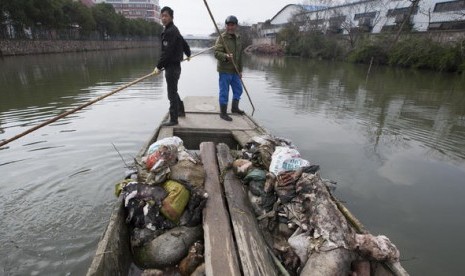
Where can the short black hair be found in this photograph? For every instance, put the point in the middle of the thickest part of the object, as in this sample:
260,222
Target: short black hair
168,10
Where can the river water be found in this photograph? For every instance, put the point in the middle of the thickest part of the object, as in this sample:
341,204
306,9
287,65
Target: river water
394,141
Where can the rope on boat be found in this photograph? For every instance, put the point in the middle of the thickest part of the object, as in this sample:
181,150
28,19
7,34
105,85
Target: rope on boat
229,52
4,142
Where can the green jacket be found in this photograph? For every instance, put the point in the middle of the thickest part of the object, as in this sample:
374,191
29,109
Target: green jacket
234,45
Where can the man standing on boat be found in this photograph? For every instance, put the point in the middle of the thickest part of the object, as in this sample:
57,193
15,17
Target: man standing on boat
228,52
173,46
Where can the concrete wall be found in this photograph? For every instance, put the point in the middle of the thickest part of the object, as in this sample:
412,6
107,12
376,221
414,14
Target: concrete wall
33,47
444,37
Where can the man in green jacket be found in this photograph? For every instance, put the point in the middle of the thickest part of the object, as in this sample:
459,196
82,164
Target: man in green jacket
228,52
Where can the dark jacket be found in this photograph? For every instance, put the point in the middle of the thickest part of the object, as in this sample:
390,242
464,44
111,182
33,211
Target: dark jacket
173,46
234,44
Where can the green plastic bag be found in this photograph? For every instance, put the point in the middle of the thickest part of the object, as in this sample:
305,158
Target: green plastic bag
255,175
178,197
120,185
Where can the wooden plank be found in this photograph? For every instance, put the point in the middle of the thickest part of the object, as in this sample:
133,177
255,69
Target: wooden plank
220,251
253,252
165,132
241,137
201,104
244,136
213,121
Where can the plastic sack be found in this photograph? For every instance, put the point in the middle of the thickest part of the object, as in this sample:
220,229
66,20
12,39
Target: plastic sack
174,204
158,177
286,159
193,157
164,156
189,172
173,140
255,175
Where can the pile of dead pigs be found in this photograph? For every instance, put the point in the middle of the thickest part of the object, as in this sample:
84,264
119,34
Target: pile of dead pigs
294,208
164,202
298,216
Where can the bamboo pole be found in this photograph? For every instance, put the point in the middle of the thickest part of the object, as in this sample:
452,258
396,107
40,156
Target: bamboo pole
4,142
369,69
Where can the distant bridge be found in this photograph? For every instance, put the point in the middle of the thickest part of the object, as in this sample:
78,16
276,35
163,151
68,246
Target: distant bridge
200,41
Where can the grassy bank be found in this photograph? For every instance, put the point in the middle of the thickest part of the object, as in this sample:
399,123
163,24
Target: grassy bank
407,52
420,53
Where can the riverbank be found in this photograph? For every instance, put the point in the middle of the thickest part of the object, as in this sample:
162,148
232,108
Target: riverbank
437,51
34,47
265,49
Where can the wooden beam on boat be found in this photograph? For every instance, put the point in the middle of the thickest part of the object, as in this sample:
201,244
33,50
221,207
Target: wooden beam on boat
253,251
165,132
113,255
242,137
220,251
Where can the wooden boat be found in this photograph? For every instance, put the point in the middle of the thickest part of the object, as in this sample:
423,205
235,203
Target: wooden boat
233,242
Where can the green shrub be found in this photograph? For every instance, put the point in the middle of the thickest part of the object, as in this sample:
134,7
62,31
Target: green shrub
426,54
365,53
404,53
450,59
413,52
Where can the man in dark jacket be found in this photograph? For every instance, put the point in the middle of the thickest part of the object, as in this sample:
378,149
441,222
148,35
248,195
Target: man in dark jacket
173,46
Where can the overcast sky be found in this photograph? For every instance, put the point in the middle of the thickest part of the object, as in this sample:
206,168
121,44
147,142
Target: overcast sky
191,16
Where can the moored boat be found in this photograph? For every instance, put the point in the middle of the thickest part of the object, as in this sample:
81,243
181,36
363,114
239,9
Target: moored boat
239,238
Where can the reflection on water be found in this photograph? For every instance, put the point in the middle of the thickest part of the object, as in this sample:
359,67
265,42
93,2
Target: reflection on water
393,106
394,142
56,191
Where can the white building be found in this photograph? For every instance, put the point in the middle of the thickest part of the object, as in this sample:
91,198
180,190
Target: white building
282,18
145,9
373,16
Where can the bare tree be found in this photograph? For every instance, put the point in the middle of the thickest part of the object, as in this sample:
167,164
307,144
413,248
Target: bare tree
328,3
367,17
413,7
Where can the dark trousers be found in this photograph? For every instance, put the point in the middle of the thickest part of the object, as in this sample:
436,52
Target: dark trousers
172,73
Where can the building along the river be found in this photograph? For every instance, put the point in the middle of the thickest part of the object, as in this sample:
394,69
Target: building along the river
371,16
132,9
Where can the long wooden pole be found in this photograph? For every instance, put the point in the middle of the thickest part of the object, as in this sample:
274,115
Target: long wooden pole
229,52
2,143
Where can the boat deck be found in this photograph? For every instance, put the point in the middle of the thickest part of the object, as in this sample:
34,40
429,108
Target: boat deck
203,123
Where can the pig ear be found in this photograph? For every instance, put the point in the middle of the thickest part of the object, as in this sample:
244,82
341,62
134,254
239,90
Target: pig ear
130,215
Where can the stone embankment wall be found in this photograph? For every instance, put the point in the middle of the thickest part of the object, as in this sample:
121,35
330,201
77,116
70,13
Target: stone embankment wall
443,37
33,47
